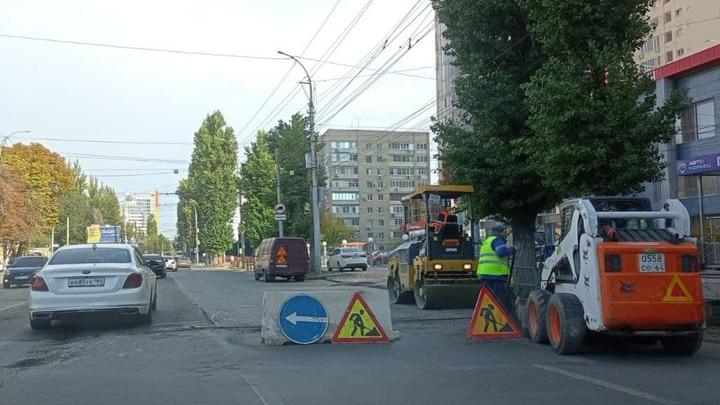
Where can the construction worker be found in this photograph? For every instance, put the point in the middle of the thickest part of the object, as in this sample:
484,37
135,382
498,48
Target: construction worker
493,267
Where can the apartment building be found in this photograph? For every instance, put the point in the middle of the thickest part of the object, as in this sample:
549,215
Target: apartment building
368,172
680,28
136,208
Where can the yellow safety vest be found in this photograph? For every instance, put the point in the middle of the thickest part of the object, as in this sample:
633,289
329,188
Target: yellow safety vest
489,263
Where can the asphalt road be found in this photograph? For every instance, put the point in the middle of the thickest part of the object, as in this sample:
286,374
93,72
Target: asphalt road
204,348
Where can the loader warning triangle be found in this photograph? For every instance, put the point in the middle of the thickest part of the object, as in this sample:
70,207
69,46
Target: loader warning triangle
491,320
677,292
359,325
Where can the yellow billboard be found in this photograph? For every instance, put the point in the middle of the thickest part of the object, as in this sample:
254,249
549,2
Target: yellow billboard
93,234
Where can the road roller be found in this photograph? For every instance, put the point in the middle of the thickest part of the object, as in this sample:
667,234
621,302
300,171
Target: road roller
436,265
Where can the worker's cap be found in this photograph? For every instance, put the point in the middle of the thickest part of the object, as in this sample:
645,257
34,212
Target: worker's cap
497,227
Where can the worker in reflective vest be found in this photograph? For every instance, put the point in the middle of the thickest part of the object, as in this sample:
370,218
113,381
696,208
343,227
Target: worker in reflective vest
493,267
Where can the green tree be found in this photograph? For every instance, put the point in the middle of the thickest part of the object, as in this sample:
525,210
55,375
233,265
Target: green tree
151,226
497,57
104,204
212,181
257,182
290,141
592,108
334,229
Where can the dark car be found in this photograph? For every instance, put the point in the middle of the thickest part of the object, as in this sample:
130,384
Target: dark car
182,262
282,257
156,264
22,269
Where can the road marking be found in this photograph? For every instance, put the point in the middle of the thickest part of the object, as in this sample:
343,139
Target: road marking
606,384
12,306
267,395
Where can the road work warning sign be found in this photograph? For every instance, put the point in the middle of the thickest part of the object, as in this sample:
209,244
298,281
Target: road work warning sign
359,325
491,320
677,292
281,256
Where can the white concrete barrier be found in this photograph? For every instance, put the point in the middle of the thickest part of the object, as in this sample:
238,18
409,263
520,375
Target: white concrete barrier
335,302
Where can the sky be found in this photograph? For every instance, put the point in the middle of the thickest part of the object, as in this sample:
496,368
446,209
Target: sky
129,116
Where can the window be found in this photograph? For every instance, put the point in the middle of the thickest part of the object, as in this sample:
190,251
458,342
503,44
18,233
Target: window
352,221
380,184
368,159
369,197
396,234
353,183
668,17
422,172
28,261
687,186
369,210
402,146
680,52
668,37
90,255
565,221
368,172
369,184
355,170
346,209
402,183
369,223
697,122
421,146
381,197
381,222
379,146
381,235
379,172
652,44
353,157
422,158
345,196
398,221
677,12
370,235
380,210
668,56
400,171
396,196
402,158
651,64
343,145
368,146
379,159
396,209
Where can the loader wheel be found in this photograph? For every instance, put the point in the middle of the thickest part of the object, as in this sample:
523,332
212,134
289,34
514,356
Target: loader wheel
565,324
422,298
537,309
685,345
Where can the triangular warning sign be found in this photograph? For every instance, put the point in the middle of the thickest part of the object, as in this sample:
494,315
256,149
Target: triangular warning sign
677,292
281,255
359,325
491,320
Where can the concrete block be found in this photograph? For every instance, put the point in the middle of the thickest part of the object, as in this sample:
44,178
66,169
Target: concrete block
335,302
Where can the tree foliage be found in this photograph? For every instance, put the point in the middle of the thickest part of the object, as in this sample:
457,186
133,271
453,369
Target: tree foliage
257,182
553,106
334,229
18,218
212,181
291,141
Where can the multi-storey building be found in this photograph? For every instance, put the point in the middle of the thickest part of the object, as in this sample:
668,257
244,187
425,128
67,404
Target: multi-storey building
136,208
679,28
368,173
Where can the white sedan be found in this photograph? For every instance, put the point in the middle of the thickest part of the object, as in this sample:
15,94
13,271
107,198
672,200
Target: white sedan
84,280
347,258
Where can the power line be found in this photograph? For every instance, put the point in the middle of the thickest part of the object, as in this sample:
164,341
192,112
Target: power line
33,138
128,158
138,48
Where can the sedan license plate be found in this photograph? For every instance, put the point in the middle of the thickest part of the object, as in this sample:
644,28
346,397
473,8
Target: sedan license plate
86,282
652,263
22,277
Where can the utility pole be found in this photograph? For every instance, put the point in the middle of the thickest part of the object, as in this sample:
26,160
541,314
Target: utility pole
52,241
313,168
277,188
67,230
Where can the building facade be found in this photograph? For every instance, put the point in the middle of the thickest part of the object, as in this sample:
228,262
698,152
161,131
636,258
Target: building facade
368,172
680,28
136,208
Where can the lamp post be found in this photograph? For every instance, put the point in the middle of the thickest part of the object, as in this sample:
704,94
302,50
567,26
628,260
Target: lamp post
313,169
324,243
370,247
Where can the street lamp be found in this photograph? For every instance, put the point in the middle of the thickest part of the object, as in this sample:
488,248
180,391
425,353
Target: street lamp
197,232
313,169
370,246
324,243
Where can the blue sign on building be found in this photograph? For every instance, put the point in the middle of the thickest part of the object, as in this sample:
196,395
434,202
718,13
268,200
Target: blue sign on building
303,319
707,164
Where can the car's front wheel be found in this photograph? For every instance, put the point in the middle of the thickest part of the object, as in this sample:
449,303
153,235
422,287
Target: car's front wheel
6,285
39,324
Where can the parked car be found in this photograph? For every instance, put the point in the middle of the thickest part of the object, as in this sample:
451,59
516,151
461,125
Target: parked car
347,258
379,257
183,262
156,264
90,280
170,263
22,269
282,257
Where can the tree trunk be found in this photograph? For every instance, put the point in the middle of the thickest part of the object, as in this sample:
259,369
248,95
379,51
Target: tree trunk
525,276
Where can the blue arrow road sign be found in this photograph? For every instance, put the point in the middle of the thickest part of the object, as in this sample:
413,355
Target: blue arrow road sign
303,319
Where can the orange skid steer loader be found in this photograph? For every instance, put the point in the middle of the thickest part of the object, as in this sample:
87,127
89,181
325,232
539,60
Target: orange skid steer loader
620,269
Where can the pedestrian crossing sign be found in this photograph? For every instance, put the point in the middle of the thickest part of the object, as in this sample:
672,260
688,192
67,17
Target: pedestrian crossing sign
491,320
359,325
